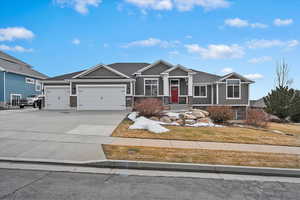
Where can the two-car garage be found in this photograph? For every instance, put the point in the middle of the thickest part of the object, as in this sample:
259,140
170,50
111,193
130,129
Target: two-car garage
89,97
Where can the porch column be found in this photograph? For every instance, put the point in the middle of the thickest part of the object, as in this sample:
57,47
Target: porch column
166,88
190,88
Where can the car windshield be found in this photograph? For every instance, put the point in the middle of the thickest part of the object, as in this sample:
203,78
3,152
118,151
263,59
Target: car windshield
31,96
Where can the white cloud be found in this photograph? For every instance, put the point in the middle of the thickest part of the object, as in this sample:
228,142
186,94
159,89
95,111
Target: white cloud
151,42
16,48
217,51
152,4
181,5
255,44
186,5
258,25
13,33
260,59
283,22
254,76
239,23
80,6
76,41
227,70
188,37
236,22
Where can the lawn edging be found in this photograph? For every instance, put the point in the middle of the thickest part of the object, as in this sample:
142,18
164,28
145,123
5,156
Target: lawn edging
164,166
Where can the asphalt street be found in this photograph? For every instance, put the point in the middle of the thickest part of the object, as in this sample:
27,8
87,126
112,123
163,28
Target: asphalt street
44,185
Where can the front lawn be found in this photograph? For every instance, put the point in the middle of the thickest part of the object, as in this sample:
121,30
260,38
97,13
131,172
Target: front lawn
224,134
203,156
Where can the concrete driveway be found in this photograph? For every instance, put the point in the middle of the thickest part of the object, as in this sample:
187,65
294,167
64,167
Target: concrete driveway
56,135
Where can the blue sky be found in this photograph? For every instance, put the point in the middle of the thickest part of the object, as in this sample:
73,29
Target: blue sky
216,36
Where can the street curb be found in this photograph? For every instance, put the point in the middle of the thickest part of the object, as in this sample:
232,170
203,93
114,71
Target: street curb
180,167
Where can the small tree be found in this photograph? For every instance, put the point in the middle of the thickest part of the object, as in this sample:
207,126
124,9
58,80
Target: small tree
220,114
257,118
149,107
282,75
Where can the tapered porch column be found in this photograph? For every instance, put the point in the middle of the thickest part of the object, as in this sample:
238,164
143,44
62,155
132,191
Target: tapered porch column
190,88
166,88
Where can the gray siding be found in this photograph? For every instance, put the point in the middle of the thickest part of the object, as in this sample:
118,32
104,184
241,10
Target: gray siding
102,72
156,70
139,85
244,95
178,72
206,100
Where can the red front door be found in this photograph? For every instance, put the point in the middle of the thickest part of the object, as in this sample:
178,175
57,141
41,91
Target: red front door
174,95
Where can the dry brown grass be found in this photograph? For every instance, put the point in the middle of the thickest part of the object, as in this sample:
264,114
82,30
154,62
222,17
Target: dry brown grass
211,134
286,128
216,157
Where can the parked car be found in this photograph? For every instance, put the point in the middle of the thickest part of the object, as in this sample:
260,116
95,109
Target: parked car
33,99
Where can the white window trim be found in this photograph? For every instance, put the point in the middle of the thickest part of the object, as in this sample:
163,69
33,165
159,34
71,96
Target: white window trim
29,80
240,89
200,91
145,79
14,95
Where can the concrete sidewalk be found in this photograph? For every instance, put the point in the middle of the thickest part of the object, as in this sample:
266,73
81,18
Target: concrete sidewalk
204,145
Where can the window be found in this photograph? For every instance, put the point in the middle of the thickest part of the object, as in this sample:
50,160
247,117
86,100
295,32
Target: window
151,87
200,91
233,87
38,86
29,80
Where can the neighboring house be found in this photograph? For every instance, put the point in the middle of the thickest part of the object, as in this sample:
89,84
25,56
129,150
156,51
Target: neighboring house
258,104
17,80
118,85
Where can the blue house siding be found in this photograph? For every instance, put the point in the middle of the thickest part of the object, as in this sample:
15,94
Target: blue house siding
16,84
1,87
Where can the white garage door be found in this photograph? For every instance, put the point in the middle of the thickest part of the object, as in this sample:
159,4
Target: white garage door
104,97
57,97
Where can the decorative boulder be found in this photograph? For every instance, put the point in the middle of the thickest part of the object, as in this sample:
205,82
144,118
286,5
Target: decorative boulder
173,118
189,116
205,120
190,121
165,119
154,118
180,122
198,113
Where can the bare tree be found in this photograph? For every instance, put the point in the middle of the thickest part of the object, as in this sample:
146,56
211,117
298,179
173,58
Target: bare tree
282,74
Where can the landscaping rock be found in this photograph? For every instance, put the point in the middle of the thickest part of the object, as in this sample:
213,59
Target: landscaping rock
180,122
205,120
198,113
189,116
190,121
173,118
154,118
165,119
274,118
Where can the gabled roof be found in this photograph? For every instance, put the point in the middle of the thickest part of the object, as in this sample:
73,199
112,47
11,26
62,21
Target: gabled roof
203,77
92,69
237,75
177,67
152,65
11,64
125,68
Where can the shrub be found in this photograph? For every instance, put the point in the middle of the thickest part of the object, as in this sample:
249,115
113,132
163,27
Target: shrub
149,107
257,118
220,114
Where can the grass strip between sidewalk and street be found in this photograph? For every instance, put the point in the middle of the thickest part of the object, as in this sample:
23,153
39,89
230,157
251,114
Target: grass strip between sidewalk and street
201,156
213,134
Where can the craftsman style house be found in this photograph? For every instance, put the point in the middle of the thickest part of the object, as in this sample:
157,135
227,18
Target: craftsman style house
118,85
